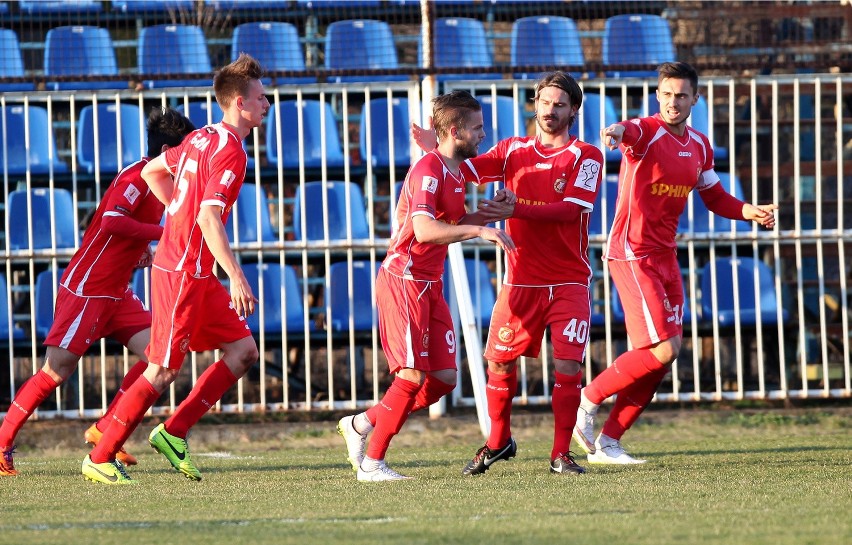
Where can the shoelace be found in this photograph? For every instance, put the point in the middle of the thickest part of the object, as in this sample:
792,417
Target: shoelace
481,454
120,467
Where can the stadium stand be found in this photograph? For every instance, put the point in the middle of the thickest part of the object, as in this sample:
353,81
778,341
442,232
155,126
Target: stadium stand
59,6
549,41
701,216
51,213
385,115
303,131
461,42
281,302
17,155
361,309
275,45
119,130
334,198
11,62
482,292
251,227
7,325
591,122
636,39
508,121
81,51
148,6
361,44
748,297
46,289
173,50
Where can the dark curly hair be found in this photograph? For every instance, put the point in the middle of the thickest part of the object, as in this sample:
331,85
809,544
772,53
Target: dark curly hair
166,127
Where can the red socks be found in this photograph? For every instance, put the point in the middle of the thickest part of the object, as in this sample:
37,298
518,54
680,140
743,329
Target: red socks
631,402
131,376
27,399
391,413
626,370
431,391
565,401
127,415
211,386
499,392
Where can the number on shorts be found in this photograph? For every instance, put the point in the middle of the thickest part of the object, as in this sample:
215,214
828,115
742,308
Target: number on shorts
451,342
576,331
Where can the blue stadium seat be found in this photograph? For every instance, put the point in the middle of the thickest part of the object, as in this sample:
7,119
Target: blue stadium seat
81,51
363,302
748,298
312,195
147,6
42,148
700,119
11,63
201,114
246,213
701,216
229,5
275,45
4,7
378,132
59,6
461,42
550,41
637,39
287,117
44,219
5,312
483,295
590,117
310,4
596,226
45,300
137,284
173,50
360,44
508,122
131,131
281,298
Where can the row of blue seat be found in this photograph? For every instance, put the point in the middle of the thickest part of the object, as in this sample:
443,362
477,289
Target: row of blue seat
283,309
331,211
170,50
151,6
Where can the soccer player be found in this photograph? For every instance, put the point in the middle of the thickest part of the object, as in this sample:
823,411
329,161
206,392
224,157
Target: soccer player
191,309
555,178
414,319
663,160
94,299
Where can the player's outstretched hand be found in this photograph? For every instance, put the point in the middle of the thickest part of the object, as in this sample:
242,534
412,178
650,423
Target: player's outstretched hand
499,237
762,214
611,136
425,138
146,258
241,296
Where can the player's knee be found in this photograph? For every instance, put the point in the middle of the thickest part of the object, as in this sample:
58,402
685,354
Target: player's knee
668,350
501,367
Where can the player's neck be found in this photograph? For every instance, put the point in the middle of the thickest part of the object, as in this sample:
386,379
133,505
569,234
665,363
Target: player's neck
554,140
448,155
235,125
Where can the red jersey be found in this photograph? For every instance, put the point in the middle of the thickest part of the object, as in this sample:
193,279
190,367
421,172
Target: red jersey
658,171
548,252
430,189
103,265
209,167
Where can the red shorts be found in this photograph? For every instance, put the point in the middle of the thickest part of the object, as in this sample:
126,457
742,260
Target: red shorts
651,292
414,324
79,321
190,314
521,315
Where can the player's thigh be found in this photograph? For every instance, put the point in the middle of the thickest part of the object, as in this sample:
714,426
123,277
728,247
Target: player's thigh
403,321
569,317
219,322
176,301
652,297
517,324
443,344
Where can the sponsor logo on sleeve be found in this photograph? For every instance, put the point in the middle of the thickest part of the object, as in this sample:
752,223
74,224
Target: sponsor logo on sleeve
228,178
131,193
429,184
587,178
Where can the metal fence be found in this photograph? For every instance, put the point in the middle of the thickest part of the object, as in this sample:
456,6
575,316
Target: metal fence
768,310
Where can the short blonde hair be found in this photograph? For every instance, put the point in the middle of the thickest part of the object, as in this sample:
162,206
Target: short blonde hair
233,80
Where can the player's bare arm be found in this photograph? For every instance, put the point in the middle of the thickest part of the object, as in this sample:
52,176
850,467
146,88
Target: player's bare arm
430,230
160,180
210,223
612,135
764,214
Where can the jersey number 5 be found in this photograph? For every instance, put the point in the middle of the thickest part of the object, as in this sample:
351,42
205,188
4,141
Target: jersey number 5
191,167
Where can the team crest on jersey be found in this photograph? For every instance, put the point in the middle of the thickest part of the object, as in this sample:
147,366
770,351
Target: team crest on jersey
429,184
587,177
184,345
228,178
131,193
425,341
559,185
667,305
506,334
